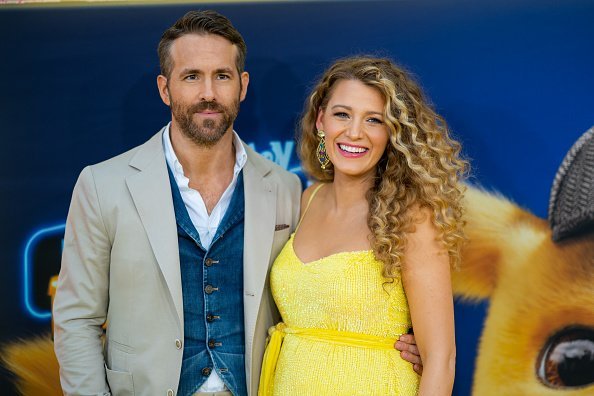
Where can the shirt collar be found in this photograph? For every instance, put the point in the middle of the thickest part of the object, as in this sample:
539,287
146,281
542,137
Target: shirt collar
176,166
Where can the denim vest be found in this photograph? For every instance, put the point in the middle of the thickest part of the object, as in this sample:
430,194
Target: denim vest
212,286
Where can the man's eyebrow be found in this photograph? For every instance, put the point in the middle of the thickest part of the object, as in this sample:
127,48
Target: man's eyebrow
226,70
191,71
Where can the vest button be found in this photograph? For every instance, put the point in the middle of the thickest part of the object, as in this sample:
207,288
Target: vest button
206,371
169,392
212,318
208,262
211,343
208,289
178,344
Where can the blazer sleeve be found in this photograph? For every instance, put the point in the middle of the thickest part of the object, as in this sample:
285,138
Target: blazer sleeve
80,304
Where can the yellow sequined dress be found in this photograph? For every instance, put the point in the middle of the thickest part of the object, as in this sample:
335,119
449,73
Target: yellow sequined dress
341,294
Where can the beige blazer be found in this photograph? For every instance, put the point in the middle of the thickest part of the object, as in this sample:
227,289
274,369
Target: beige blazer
121,264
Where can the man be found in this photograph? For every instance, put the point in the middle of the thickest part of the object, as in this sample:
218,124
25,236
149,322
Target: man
171,242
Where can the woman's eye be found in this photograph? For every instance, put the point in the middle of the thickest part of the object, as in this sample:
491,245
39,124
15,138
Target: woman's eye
567,359
375,120
341,114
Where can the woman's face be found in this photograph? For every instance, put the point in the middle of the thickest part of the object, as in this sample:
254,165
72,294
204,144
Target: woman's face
356,135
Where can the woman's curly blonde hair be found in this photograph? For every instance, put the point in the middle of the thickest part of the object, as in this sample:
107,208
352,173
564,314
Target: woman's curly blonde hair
421,166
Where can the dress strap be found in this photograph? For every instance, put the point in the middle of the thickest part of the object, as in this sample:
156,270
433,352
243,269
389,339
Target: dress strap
313,194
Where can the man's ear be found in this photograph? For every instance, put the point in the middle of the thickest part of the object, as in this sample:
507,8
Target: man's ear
245,81
163,89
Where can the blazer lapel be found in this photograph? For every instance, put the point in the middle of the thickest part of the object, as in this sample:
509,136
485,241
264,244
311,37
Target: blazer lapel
260,216
151,193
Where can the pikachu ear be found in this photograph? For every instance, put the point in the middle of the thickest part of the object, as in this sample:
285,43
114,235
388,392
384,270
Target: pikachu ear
500,234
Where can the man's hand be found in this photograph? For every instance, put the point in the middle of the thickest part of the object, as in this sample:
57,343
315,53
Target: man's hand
408,350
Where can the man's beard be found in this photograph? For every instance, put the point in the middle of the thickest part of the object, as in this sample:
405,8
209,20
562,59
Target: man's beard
210,131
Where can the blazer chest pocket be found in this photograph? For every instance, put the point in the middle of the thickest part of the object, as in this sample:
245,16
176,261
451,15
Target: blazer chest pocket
280,238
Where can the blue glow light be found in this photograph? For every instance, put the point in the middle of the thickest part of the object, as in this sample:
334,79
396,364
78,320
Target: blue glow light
27,270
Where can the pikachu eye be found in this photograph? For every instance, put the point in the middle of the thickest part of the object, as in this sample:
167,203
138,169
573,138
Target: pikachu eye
567,360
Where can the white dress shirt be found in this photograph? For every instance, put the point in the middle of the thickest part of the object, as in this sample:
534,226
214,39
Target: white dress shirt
205,224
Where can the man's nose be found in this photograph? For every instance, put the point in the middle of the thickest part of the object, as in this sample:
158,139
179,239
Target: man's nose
207,93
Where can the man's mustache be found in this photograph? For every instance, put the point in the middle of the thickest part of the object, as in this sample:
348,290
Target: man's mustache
204,105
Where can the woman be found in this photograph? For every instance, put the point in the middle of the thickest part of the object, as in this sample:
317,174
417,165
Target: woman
379,232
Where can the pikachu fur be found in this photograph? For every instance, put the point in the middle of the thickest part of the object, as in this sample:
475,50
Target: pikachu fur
535,287
34,366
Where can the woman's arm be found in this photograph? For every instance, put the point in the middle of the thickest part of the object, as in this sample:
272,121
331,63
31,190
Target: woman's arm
427,283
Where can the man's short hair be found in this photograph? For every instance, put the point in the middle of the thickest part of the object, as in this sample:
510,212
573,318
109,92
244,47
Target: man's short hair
200,22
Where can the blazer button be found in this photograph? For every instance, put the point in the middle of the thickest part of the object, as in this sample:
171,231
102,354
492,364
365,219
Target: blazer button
169,392
206,371
178,344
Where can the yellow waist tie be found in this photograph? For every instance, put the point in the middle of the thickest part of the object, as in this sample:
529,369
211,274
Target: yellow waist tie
346,338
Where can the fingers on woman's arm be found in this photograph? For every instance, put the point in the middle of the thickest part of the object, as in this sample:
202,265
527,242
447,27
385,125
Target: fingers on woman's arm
408,339
426,277
408,349
406,346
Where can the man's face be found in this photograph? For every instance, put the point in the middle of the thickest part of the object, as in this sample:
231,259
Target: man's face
204,88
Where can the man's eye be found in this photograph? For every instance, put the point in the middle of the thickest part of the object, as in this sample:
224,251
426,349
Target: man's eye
223,77
191,77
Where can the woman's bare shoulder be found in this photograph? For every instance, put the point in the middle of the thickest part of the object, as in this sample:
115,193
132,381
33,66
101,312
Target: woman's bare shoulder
306,195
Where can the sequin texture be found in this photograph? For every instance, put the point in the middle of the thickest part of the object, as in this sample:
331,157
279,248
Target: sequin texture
342,292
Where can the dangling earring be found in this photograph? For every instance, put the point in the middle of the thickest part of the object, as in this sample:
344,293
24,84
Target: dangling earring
321,150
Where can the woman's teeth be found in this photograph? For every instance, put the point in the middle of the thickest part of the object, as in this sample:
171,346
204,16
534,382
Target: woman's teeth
352,149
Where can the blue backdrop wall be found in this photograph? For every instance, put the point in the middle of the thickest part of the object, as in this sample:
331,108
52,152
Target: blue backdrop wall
78,85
